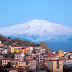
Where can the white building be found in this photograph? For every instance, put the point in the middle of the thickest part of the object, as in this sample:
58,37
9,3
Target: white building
5,61
5,51
67,62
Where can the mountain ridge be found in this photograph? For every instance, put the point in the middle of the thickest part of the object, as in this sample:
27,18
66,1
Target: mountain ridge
38,30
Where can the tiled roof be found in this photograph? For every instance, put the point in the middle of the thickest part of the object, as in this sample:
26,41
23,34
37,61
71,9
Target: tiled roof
5,59
53,60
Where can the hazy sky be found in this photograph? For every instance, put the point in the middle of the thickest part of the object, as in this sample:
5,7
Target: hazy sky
19,11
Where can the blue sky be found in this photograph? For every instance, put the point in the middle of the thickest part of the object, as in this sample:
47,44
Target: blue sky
14,12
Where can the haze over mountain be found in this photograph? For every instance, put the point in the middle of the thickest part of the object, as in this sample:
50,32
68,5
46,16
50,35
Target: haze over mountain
38,30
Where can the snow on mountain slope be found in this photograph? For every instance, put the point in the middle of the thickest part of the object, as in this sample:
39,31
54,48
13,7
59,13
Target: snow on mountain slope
38,30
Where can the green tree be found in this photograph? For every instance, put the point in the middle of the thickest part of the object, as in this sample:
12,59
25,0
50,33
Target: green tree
8,37
8,65
45,68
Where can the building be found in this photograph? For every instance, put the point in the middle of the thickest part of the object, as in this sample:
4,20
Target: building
23,50
38,51
4,51
71,56
32,64
27,51
21,64
0,43
5,61
31,48
61,54
43,50
67,62
28,57
14,63
1,49
12,50
54,65
53,57
19,56
53,52
16,50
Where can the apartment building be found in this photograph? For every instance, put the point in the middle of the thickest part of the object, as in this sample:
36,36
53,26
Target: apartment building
5,61
55,65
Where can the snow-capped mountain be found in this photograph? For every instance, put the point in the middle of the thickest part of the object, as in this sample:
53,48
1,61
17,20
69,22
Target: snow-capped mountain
38,30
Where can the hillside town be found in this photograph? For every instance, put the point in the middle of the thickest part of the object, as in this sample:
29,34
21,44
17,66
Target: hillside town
36,58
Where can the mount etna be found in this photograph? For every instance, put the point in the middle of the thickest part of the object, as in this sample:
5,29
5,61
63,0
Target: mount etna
41,31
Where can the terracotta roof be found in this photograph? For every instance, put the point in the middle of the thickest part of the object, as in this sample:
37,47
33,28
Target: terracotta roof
32,59
5,59
45,56
53,60
21,61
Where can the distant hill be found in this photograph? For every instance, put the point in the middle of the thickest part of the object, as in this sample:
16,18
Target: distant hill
8,41
2,38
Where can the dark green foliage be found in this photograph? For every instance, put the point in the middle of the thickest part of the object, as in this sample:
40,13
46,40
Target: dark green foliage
8,37
20,43
8,65
2,70
45,68
12,56
24,43
6,55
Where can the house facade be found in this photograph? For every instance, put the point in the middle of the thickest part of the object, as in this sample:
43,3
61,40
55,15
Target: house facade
55,65
5,61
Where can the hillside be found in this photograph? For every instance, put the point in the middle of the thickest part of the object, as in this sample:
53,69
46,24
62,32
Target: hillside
7,41
2,38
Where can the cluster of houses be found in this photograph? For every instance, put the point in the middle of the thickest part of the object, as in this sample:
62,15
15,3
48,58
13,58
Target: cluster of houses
34,57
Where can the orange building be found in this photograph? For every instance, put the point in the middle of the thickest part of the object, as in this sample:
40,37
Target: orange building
27,49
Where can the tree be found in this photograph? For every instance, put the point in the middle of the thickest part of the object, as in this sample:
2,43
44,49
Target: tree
8,65
2,70
8,37
12,56
46,52
45,68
